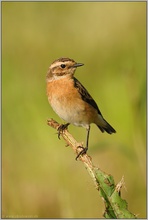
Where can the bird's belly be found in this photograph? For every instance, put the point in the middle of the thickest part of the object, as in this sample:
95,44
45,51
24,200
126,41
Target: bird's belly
72,113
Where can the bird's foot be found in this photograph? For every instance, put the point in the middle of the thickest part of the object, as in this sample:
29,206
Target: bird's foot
82,152
61,128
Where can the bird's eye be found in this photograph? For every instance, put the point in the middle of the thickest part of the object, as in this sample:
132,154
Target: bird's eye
63,66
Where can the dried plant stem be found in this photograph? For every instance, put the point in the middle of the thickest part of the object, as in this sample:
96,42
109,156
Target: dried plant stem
115,206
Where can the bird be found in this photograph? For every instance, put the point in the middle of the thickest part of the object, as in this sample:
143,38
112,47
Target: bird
71,101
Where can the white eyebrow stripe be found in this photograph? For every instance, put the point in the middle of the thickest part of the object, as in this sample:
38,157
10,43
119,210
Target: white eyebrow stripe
56,64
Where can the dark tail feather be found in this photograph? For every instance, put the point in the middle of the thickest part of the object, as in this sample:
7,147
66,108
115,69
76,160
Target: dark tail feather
107,127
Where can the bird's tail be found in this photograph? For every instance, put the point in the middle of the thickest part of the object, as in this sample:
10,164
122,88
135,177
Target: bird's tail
106,127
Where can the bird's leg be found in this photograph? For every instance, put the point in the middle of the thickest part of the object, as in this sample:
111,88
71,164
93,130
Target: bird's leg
61,128
84,149
87,140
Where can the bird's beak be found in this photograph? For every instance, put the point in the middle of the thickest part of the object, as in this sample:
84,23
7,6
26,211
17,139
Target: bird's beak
77,65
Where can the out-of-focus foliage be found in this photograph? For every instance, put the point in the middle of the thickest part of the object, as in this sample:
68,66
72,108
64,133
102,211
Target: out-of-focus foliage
40,177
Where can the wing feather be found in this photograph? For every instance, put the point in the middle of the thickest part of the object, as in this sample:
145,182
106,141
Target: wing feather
85,95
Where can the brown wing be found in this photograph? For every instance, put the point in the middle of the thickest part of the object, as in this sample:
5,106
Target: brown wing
87,98
85,95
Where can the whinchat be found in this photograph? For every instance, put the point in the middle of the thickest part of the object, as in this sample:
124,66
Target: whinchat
71,101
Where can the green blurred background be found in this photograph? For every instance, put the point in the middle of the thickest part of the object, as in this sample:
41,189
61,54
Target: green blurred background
40,177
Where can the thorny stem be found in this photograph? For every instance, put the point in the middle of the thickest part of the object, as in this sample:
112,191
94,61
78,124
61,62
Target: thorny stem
115,206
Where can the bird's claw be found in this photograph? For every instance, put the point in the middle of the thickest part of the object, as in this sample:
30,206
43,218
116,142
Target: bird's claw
82,152
61,128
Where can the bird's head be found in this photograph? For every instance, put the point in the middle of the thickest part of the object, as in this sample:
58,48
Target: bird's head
62,67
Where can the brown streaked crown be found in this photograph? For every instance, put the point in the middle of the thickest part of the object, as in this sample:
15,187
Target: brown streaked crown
64,59
61,67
